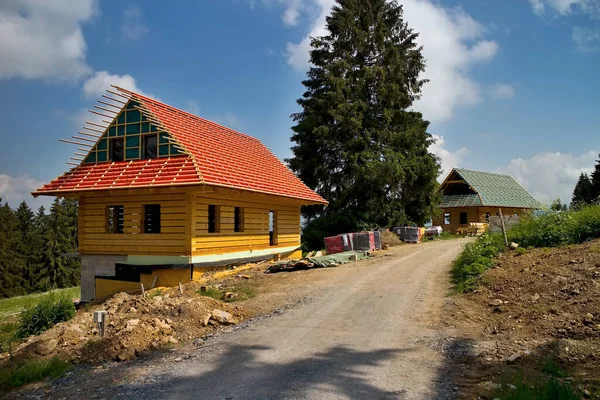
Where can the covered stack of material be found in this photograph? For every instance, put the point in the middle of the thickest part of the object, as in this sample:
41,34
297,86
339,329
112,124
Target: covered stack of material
347,241
334,244
433,231
410,234
364,241
377,236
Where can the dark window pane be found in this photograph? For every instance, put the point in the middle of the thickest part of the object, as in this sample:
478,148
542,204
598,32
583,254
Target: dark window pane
132,154
163,150
238,219
101,156
213,218
116,149
446,218
133,116
132,129
150,147
463,218
121,118
102,144
115,219
152,218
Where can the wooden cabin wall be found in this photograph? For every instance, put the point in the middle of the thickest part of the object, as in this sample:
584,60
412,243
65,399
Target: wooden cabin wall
256,208
474,214
174,238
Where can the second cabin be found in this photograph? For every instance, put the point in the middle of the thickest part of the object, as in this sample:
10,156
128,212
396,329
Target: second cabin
164,194
473,196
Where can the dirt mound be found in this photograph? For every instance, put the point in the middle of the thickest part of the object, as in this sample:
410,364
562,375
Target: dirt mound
134,324
548,292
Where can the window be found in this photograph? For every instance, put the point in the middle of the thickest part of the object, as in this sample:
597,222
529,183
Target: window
272,228
115,219
116,149
213,218
152,218
149,150
487,217
446,218
463,218
238,219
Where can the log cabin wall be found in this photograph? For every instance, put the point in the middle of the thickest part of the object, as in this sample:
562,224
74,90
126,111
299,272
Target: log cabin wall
254,209
474,214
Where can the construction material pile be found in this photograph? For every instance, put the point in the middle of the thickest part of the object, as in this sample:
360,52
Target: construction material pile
134,324
330,260
357,241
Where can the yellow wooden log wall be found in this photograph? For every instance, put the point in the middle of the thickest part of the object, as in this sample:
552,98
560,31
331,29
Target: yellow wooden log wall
474,214
255,222
93,236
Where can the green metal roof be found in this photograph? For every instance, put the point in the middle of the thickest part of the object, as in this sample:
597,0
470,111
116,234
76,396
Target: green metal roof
495,190
461,200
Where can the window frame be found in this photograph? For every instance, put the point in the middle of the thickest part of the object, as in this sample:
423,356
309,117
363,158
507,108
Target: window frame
238,219
111,151
151,228
214,222
273,233
447,218
112,215
144,138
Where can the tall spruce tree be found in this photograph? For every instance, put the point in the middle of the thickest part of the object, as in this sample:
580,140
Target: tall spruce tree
12,263
582,194
356,141
595,185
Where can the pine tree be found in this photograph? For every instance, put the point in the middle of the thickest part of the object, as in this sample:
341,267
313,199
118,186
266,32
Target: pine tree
12,263
595,185
356,141
582,194
58,271
26,247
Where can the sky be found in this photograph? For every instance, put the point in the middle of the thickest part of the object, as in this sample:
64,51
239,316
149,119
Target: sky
514,85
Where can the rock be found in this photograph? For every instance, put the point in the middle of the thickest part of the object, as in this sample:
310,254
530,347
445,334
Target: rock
587,394
455,389
203,289
124,356
178,359
514,357
132,310
230,295
559,279
496,303
588,319
162,326
206,319
173,340
244,276
513,245
385,246
158,299
198,342
573,262
132,323
46,347
535,297
223,317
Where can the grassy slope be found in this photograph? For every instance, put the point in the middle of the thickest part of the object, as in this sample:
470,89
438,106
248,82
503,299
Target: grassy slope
14,305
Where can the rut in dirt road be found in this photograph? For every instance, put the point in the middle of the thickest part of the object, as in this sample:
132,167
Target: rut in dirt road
359,339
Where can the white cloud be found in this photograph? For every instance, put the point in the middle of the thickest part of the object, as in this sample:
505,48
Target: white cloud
14,190
292,12
566,7
586,39
44,39
229,120
452,44
550,175
449,159
502,91
132,26
96,86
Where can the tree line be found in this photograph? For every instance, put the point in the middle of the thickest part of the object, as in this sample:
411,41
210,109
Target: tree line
33,248
587,189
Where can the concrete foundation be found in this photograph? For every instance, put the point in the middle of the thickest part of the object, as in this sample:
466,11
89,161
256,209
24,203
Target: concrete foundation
92,265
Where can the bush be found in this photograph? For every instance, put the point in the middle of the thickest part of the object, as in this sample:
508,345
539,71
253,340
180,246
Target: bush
557,229
474,260
33,371
50,310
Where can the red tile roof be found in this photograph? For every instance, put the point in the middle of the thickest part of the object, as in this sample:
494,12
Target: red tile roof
217,156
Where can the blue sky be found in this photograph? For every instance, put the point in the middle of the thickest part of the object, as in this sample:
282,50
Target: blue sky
514,86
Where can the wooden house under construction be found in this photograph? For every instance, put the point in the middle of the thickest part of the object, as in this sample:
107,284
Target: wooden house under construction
164,194
472,196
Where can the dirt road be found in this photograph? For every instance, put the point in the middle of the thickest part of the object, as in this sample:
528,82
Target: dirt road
359,331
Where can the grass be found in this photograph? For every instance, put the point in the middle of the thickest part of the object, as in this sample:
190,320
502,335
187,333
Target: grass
8,334
14,305
50,309
243,292
33,371
476,258
543,389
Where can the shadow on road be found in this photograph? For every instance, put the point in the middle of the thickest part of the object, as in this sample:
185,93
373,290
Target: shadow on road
239,374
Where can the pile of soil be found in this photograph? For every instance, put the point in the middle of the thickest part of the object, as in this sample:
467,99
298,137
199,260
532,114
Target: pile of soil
134,324
533,307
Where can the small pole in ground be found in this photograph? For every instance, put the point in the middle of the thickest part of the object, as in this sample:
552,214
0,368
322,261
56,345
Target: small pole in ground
180,288
143,291
503,226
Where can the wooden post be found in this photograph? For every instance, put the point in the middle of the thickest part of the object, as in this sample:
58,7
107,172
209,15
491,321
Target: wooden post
180,288
503,227
143,291
154,281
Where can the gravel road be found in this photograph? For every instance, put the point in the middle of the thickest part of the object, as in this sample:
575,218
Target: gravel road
363,331
362,338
